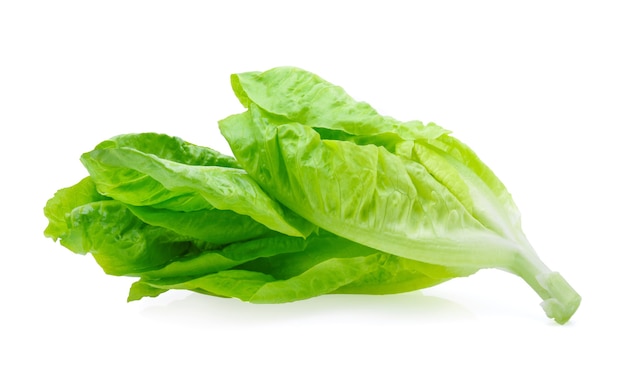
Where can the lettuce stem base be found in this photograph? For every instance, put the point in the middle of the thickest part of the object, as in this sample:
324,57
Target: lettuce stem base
560,300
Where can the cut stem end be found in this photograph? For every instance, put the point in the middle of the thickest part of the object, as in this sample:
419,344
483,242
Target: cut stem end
560,300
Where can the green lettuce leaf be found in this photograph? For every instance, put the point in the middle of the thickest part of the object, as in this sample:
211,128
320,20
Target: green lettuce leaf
404,188
127,168
298,95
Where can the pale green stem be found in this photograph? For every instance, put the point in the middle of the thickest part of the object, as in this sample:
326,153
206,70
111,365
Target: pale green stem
560,300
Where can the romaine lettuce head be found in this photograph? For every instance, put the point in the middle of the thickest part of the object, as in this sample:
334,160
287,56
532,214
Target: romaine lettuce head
324,195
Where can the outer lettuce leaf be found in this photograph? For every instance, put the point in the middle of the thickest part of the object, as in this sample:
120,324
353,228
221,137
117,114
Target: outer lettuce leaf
363,193
127,168
232,255
293,94
171,148
402,188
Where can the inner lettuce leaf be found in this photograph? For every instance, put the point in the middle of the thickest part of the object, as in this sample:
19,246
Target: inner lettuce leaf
286,269
404,188
211,225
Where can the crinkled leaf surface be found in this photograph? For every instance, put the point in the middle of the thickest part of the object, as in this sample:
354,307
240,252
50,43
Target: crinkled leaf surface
363,193
204,250
285,269
127,168
404,188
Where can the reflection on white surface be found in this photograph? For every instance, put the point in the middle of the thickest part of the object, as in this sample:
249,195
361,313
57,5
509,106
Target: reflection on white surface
201,310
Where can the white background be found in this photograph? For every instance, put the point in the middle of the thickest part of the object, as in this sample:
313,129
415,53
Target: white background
537,89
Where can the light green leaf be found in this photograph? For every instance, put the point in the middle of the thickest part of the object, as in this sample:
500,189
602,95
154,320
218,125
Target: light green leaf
126,168
362,193
301,96
396,187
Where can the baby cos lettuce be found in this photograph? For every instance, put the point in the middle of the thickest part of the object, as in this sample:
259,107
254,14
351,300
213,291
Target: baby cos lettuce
325,196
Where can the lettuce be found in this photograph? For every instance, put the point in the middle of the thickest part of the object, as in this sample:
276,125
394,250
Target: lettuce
323,196
180,176
405,188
